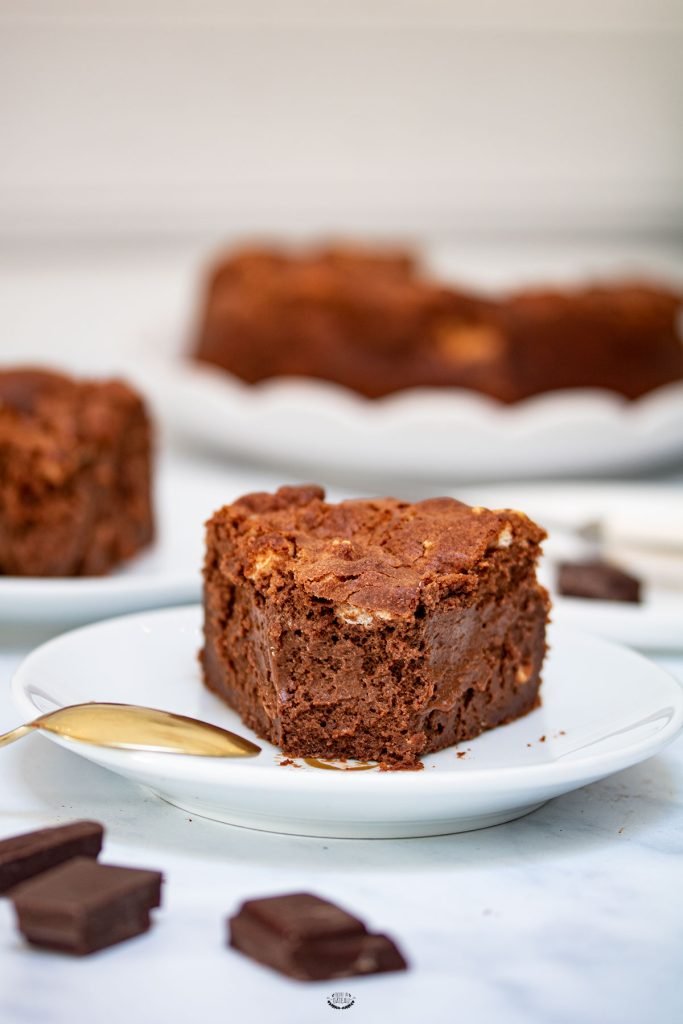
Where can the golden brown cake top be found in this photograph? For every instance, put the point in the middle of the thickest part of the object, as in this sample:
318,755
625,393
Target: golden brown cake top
374,557
52,420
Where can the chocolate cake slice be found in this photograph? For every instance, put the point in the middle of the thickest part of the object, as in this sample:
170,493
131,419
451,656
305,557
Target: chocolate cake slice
367,318
75,474
372,629
375,321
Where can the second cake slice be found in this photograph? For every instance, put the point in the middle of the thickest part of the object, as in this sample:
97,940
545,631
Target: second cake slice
372,629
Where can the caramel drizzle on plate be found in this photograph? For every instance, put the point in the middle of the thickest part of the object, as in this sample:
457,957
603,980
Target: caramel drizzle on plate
317,762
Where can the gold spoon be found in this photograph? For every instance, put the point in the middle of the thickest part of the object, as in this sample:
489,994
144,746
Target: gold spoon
130,727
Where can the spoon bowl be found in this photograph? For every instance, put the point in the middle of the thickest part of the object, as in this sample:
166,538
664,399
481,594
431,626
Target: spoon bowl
131,727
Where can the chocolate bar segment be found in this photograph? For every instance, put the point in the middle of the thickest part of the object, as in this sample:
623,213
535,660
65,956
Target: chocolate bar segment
597,581
27,855
307,938
83,906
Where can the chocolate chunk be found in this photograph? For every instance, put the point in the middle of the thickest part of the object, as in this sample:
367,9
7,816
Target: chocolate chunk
82,906
597,580
24,856
307,938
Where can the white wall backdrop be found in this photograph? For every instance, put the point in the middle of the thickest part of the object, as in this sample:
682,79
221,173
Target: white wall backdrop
159,117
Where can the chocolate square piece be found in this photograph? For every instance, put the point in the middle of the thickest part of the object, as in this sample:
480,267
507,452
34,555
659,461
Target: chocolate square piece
373,629
82,906
307,938
598,581
27,855
75,480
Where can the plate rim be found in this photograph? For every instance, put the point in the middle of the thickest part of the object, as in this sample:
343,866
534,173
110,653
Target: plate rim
474,779
648,429
184,367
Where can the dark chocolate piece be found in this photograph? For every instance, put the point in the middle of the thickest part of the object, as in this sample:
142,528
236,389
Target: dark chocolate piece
597,581
307,938
24,856
374,629
82,906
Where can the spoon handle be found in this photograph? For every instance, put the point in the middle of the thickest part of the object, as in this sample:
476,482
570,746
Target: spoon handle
15,734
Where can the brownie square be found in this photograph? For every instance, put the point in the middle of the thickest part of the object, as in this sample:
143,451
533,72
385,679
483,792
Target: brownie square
366,318
83,906
373,629
371,319
75,474
623,336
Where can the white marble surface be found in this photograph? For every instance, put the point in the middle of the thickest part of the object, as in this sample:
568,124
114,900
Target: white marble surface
573,914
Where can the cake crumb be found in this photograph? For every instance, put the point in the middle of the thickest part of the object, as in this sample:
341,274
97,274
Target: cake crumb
385,766
541,739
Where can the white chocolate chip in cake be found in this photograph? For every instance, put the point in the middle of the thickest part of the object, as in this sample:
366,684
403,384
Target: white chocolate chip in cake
263,564
504,538
469,344
354,616
523,674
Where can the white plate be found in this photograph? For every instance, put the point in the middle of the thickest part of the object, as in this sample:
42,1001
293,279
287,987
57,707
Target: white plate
604,708
169,573
656,623
419,434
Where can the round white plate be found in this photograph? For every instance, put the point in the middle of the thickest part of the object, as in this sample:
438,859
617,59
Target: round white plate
168,573
657,622
604,708
421,434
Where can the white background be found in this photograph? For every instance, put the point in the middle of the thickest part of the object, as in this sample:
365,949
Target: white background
166,117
